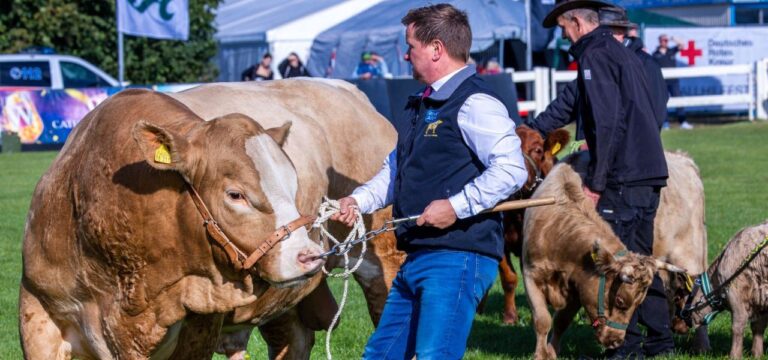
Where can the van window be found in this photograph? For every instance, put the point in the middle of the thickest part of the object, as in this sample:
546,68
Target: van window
25,73
78,76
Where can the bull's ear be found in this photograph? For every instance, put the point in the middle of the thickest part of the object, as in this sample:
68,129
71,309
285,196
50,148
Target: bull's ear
280,134
161,148
600,256
556,141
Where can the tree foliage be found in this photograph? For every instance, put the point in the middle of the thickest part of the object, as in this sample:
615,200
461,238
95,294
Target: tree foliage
88,29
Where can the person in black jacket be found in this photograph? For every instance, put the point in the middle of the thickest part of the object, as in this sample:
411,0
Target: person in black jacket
561,111
627,169
292,67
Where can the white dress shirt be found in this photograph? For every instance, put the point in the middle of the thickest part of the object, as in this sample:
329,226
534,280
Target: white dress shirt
489,132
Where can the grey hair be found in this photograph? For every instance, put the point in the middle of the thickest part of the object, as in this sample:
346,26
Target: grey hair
588,15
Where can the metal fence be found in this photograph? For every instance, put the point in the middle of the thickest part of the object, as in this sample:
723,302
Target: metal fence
545,82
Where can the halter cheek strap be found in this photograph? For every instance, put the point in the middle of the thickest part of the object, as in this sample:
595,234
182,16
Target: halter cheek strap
237,257
601,317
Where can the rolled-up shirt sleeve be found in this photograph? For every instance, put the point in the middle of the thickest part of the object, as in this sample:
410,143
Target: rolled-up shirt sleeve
489,132
378,192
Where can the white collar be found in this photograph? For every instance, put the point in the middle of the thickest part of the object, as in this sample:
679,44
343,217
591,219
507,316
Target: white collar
439,83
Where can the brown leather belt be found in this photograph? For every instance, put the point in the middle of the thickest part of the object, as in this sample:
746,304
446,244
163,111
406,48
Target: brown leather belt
237,256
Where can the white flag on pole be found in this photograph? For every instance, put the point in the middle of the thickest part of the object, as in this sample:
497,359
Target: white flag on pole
160,19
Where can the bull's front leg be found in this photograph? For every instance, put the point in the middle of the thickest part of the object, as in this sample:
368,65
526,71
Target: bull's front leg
739,319
758,331
542,320
563,319
287,337
509,281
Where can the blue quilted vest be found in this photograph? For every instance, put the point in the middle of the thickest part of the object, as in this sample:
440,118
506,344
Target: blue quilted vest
434,162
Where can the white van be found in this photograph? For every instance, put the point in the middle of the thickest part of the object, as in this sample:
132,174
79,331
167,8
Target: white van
51,71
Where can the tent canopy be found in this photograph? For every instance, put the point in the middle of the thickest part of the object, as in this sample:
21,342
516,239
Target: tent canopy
247,29
336,51
249,20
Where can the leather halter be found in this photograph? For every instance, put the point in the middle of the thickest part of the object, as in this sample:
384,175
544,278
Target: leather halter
237,256
602,318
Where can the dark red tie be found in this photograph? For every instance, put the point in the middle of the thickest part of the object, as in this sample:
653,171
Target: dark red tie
426,92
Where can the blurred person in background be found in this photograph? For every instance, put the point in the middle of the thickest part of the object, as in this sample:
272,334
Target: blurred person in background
292,67
666,57
260,71
371,66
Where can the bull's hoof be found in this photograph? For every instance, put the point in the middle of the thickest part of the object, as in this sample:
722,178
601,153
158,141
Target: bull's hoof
511,318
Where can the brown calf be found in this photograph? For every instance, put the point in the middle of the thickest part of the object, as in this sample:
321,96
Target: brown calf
746,296
568,251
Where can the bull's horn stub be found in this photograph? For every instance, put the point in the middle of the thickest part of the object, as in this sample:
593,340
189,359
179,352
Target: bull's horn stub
661,265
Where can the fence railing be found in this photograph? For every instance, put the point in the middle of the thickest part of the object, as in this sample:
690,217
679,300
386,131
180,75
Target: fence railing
545,87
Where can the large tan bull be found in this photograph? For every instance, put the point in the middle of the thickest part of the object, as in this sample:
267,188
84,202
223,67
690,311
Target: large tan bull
337,142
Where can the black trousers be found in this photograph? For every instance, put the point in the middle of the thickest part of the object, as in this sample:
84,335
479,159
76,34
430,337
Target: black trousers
631,210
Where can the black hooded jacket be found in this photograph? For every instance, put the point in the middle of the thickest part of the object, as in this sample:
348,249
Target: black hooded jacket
659,93
616,112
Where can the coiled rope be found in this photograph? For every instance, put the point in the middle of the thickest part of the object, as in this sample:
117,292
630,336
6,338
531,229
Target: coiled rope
327,209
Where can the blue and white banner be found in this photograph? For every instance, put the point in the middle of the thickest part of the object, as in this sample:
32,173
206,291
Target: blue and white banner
160,19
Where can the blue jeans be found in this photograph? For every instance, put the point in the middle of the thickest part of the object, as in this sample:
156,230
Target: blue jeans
431,305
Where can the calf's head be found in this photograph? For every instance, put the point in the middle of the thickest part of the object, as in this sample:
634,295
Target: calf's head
247,182
627,277
540,154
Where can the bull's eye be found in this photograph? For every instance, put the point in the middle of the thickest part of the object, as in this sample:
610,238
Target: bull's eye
235,195
621,303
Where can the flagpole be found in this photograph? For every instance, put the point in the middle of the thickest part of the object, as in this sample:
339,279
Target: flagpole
120,60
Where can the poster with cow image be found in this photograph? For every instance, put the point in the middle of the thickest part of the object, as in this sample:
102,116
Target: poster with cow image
709,46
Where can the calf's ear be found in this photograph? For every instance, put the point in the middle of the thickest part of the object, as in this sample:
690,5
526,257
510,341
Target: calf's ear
280,134
601,257
161,148
556,141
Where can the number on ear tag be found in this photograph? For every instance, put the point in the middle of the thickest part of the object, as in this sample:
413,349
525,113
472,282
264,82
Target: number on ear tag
162,155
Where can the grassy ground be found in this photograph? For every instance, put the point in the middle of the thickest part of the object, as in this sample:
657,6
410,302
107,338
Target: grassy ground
732,163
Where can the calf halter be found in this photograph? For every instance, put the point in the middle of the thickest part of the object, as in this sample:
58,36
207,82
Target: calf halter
237,256
714,298
602,319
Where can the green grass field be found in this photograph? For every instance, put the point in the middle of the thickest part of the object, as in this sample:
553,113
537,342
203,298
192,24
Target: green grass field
732,163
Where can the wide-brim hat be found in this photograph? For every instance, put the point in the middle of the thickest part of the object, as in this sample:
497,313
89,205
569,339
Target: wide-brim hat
562,6
615,16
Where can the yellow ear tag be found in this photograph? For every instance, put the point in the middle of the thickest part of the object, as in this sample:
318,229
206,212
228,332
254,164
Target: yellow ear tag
556,148
594,257
162,155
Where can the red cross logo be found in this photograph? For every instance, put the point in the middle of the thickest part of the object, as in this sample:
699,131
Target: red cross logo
691,52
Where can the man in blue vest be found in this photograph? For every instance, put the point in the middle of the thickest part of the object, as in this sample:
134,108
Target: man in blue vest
457,154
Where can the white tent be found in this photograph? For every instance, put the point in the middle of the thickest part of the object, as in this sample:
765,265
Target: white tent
249,28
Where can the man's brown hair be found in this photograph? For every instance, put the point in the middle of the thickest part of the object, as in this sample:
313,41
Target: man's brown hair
442,22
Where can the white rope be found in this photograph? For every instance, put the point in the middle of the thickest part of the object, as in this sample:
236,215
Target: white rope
327,209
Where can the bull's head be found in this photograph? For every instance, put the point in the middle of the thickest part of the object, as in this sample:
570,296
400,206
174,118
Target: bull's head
247,182
627,277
